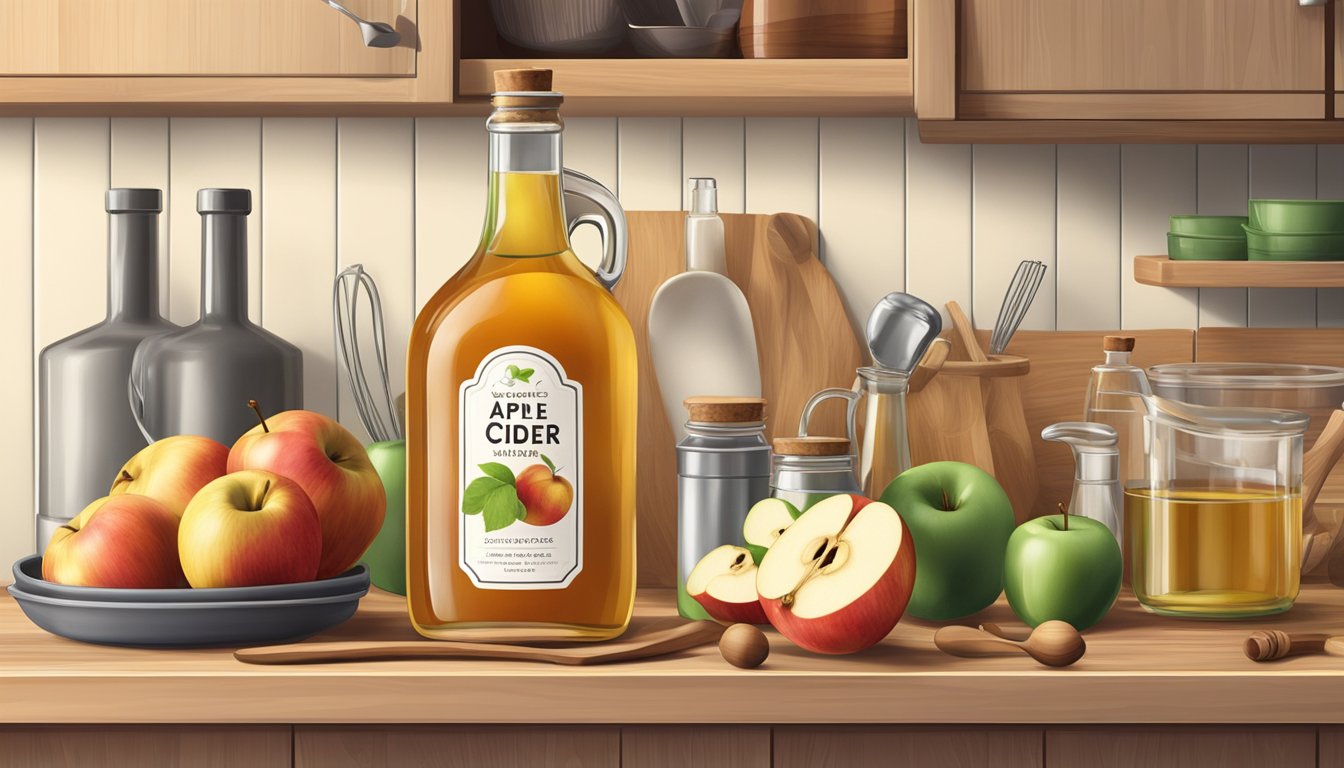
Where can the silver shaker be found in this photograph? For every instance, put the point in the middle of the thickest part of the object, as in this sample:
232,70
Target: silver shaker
723,467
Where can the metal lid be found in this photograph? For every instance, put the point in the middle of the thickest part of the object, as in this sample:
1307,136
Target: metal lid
224,201
1245,375
126,200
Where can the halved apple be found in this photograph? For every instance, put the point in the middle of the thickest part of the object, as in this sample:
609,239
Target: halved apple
765,521
724,582
838,579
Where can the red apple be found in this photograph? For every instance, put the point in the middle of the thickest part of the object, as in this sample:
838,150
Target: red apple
125,541
839,578
331,466
172,470
247,529
545,495
724,583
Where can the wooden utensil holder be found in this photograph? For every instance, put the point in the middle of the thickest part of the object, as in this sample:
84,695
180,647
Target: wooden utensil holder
972,412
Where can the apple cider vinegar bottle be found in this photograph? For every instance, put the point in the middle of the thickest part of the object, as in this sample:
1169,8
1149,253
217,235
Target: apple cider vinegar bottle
521,403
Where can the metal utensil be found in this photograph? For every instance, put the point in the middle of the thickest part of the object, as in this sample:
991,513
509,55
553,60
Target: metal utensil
1016,301
376,34
385,424
900,329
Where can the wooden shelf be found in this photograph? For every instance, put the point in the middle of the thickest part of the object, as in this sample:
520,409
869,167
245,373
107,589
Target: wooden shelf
1162,271
1139,668
856,87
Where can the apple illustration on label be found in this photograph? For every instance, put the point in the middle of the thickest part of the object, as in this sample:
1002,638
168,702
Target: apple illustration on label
839,578
724,582
125,541
247,529
766,520
172,470
961,520
1062,567
545,495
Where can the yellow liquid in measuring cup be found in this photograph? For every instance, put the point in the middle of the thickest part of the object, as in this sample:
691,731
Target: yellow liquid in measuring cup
1215,553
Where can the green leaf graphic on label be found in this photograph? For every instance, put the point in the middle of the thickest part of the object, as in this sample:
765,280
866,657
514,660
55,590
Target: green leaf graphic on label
502,508
524,375
498,471
513,371
549,464
473,501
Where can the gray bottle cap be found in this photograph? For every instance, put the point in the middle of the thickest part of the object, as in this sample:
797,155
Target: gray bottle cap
224,201
122,200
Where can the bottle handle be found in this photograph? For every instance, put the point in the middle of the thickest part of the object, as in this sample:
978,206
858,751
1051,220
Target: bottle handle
851,410
137,403
588,202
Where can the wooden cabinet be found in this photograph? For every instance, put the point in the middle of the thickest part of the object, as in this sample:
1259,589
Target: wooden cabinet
1125,70
138,56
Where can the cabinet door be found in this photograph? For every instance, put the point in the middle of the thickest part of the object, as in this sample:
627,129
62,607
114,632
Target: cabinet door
1142,59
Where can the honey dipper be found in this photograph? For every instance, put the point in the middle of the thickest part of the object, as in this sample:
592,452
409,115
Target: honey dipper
1275,644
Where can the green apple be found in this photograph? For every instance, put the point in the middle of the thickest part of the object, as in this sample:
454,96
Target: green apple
386,556
766,519
960,520
1063,567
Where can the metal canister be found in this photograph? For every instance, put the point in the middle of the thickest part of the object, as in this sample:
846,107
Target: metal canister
808,469
723,467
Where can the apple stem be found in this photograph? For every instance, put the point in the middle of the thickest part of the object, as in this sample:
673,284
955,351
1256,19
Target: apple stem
253,405
1064,510
126,476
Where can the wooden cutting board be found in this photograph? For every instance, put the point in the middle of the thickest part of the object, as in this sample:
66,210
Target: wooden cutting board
803,337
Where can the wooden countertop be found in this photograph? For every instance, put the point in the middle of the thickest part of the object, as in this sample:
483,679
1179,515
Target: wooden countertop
1139,668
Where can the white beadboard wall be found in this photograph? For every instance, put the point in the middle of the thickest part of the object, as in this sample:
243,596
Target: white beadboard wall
405,198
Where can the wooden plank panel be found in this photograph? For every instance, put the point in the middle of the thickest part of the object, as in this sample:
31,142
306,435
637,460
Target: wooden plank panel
1087,248
933,49
863,208
1013,205
450,198
210,152
140,159
716,147
782,167
1330,740
136,746
375,220
455,747
924,746
591,148
1261,275
1330,186
1156,747
1282,171
17,344
937,220
704,746
1141,106
1193,45
166,37
650,163
1155,181
1222,189
298,235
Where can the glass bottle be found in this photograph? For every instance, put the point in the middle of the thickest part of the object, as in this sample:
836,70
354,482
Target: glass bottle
1108,404
197,381
85,431
521,406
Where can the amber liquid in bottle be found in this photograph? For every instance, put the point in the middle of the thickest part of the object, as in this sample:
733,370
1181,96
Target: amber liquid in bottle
524,289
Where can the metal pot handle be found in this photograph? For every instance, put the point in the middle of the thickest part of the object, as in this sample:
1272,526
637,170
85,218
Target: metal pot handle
588,202
851,410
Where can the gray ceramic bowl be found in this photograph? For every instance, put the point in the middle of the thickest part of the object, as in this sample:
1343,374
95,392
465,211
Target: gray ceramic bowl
186,625
684,42
28,577
560,26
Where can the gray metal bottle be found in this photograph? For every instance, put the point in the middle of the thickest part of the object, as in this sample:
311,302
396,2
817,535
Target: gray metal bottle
85,431
197,381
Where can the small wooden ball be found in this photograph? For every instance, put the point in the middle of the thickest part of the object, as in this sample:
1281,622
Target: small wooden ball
744,646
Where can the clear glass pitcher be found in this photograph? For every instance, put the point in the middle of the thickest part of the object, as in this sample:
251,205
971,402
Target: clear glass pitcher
884,447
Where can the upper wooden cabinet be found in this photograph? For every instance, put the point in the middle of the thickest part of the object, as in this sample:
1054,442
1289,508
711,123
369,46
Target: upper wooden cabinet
130,55
1217,70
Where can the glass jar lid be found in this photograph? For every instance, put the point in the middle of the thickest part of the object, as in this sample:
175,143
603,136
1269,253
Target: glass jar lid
1246,375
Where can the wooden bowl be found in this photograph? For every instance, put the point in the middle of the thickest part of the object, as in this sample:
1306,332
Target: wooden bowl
835,29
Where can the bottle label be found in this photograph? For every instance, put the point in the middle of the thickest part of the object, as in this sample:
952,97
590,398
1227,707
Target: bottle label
521,450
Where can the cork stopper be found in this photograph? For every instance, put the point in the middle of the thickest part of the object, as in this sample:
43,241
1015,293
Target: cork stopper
726,410
528,80
811,446
1118,344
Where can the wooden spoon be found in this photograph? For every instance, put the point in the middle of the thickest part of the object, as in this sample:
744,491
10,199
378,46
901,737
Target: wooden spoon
930,364
654,640
1053,643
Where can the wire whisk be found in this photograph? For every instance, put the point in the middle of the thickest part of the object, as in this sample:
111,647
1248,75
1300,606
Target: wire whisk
379,414
1016,301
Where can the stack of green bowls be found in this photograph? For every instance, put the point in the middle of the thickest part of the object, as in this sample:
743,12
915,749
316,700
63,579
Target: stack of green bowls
1295,230
1207,238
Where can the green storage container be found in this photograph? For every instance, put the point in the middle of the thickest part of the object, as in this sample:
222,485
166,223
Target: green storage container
1187,248
1298,217
1209,226
1317,246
